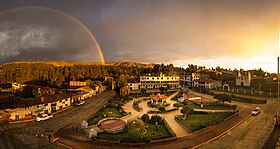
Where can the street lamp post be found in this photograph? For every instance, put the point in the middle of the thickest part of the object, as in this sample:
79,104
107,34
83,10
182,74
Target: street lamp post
259,88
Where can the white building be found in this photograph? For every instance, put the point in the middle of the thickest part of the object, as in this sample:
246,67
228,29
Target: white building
49,104
243,79
208,84
190,79
155,82
134,86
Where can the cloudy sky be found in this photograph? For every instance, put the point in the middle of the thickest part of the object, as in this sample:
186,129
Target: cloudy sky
226,33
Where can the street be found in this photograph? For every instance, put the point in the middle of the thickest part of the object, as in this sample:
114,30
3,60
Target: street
250,134
68,117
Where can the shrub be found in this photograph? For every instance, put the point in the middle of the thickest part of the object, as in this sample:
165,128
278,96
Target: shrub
136,106
145,118
156,119
233,107
178,105
185,102
161,109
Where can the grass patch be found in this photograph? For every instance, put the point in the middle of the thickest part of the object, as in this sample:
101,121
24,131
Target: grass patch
138,131
137,95
105,113
213,107
199,121
168,93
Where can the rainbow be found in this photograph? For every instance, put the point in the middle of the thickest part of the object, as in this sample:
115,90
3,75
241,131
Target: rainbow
64,14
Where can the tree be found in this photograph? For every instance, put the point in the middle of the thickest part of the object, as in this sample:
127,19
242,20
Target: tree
187,111
124,91
143,91
121,86
156,120
145,118
223,97
161,108
162,89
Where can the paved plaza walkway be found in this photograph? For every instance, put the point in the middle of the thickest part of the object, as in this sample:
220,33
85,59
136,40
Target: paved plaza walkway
169,117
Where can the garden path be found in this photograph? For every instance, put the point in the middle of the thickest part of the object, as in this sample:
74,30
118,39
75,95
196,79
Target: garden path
169,117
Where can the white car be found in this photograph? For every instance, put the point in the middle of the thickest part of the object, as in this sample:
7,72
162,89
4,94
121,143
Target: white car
256,111
43,117
78,103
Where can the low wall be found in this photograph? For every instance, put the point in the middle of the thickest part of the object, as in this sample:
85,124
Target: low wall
163,140
173,134
268,135
176,119
106,141
215,111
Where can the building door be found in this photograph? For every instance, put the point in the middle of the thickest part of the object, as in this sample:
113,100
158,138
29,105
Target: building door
17,117
53,109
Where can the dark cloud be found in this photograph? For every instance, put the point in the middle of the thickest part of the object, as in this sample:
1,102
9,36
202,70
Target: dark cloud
163,30
34,34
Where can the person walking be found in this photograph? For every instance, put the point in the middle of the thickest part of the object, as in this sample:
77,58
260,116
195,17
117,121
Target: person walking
77,128
73,127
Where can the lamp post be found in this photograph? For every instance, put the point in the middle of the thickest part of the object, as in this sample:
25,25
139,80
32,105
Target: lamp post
259,88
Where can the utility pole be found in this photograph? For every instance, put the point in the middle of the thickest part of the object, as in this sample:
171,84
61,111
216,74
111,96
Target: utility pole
278,76
277,87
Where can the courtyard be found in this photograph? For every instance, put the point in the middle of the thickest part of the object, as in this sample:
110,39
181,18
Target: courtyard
166,107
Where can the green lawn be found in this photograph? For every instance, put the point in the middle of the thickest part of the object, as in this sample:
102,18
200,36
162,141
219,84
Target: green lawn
169,93
105,113
138,131
199,121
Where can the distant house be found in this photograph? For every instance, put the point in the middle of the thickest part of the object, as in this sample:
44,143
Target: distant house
6,87
110,82
190,79
208,84
17,86
133,86
77,83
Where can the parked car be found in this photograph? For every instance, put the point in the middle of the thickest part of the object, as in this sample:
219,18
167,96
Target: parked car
43,117
78,103
256,111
